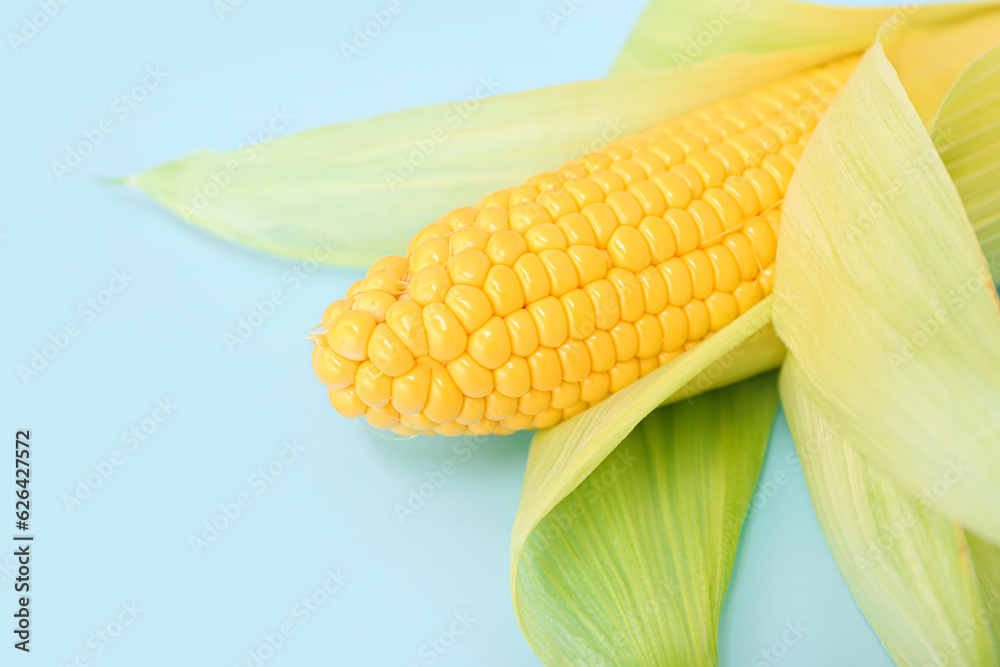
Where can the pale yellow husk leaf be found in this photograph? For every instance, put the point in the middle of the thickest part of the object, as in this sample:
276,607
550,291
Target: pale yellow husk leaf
891,314
908,566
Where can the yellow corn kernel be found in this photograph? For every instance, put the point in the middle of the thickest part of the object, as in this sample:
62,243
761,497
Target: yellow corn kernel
565,395
429,285
649,335
659,239
332,369
559,269
601,349
349,335
473,409
550,321
629,293
595,387
534,402
674,324
686,236
623,374
409,390
469,267
725,272
346,402
567,413
503,290
490,344
647,365
544,237
608,181
574,360
697,319
373,386
505,246
605,302
649,198
513,377
446,338
387,353
654,289
546,373
588,262
470,377
533,278
489,220
405,320
469,305
602,221
579,311
556,203
526,215
625,340
522,332
470,237
674,189
444,400
584,191
499,406
382,280
628,249
374,303
430,252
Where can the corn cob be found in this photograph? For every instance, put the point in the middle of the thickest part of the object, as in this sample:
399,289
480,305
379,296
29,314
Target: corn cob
546,297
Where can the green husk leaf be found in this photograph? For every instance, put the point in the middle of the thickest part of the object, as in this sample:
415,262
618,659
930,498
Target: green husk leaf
678,33
986,558
562,456
966,133
908,566
631,567
329,194
886,301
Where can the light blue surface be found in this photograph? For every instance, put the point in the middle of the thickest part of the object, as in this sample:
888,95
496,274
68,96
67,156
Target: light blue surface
330,506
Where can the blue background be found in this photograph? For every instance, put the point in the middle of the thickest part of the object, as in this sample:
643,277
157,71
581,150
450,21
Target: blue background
161,338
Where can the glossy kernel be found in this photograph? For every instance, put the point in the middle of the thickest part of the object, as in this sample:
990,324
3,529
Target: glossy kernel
332,369
429,285
490,344
574,360
469,305
504,247
502,288
470,377
580,317
349,335
559,268
605,302
546,373
469,267
532,278
628,249
513,378
405,320
550,321
522,332
588,262
387,353
373,386
409,390
446,339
